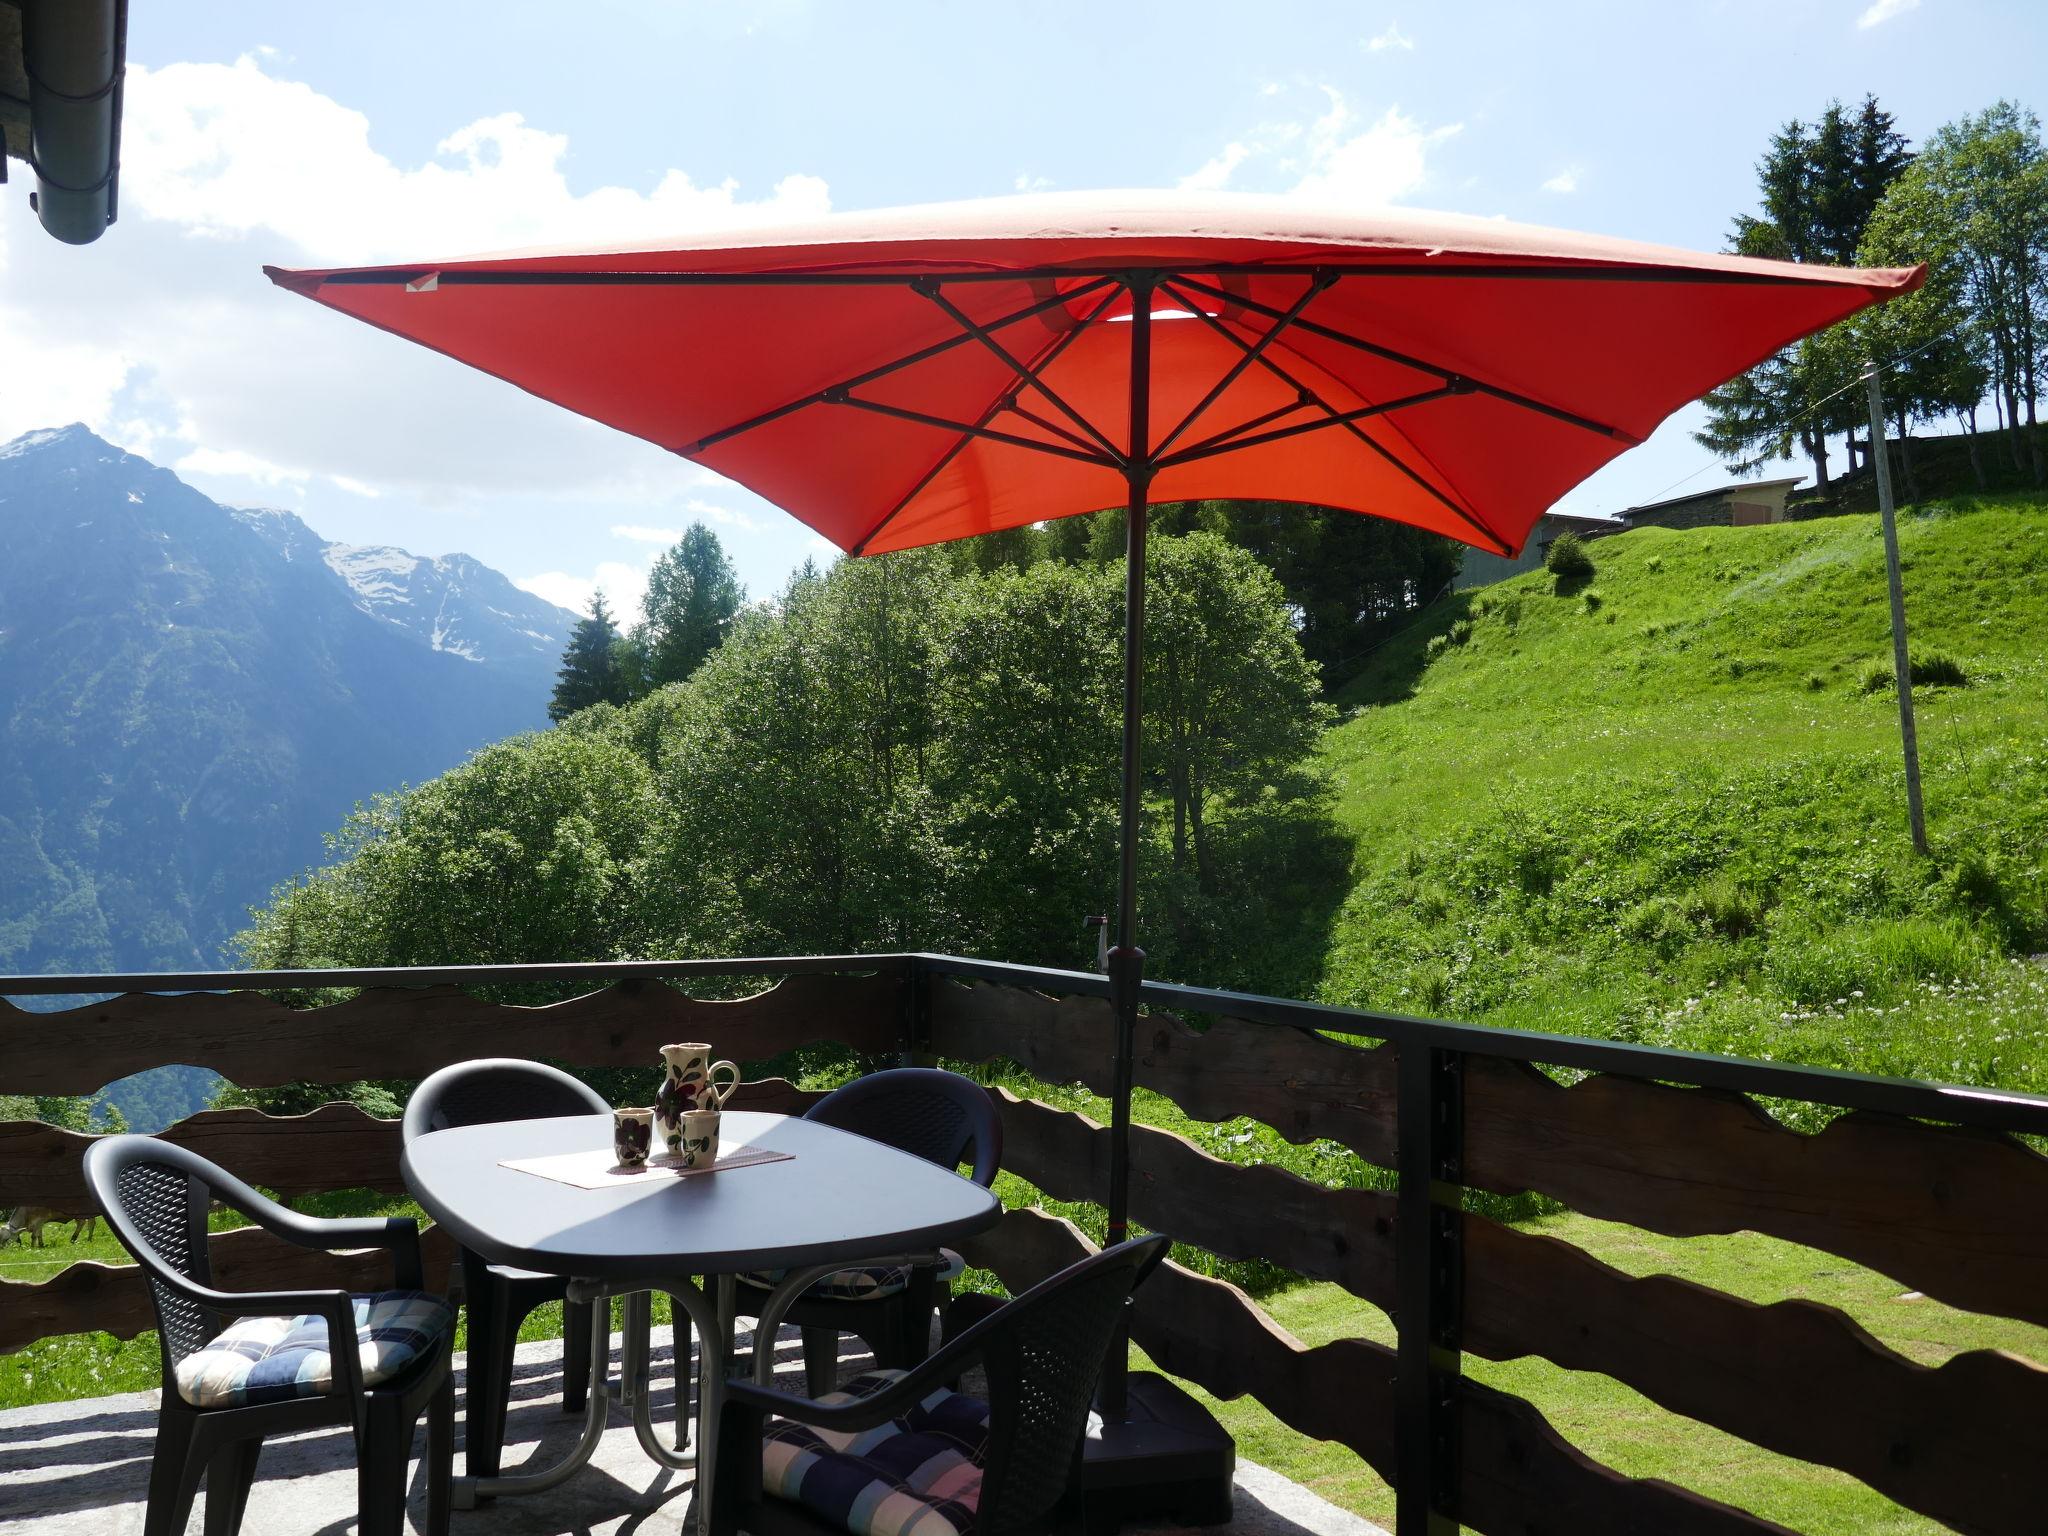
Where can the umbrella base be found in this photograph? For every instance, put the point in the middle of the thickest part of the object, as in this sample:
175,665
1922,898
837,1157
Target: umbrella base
1166,1456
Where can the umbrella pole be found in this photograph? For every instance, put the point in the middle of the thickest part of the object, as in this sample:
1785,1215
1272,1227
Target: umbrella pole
1157,1452
1127,960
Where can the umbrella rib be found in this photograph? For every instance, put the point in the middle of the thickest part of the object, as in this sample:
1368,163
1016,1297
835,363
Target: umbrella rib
908,360
1009,403
1264,418
1316,285
1508,396
1210,448
859,547
947,423
1471,519
929,287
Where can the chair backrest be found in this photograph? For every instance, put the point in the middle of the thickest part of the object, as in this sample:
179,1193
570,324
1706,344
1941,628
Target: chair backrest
938,1116
1043,1354
155,1196
496,1088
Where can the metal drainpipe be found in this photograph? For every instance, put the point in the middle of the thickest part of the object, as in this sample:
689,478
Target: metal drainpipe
72,52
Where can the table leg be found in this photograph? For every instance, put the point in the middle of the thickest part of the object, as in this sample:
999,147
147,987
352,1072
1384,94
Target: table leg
688,1301
465,1491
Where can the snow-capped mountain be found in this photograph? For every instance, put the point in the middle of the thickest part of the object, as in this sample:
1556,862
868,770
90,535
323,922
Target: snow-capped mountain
454,603
190,697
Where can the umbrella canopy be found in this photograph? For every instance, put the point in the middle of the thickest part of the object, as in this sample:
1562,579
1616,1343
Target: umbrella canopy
909,377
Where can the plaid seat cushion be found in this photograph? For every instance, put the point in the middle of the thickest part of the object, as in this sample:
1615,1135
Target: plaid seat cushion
273,1359
917,1475
862,1282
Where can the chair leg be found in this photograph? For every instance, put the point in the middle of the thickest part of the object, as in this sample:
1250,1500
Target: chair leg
382,1445
229,1473
575,1355
821,1359
440,1455
173,1474
493,1335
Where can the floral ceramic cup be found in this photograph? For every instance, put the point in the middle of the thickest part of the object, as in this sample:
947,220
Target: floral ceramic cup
632,1136
700,1139
690,1080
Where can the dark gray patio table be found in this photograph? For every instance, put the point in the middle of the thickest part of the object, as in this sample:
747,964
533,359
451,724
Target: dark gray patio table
840,1199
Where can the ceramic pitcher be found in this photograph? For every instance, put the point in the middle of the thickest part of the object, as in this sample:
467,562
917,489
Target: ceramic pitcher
690,1080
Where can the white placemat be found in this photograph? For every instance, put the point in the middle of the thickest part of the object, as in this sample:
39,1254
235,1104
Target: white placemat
598,1168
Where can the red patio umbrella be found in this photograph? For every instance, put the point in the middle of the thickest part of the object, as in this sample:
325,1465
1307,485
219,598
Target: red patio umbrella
908,377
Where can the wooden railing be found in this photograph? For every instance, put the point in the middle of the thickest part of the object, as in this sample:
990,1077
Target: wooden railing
1925,1184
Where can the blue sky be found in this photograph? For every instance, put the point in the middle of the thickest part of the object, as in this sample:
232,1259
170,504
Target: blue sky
310,135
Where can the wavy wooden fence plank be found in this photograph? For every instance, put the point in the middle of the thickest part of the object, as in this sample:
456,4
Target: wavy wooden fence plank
1961,1442
1238,1211
408,1032
111,1298
1305,1086
336,1146
1961,1215
1519,1477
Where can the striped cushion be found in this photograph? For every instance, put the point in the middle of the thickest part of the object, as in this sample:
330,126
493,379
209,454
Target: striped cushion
274,1359
917,1475
863,1282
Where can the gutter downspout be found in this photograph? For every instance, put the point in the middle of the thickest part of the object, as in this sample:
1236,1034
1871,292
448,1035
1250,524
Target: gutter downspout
74,53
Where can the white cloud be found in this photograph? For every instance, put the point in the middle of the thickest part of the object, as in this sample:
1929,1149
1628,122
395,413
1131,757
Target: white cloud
1334,156
624,587
1393,37
234,464
640,533
166,337
226,149
1882,11
1025,182
1566,180
1214,175
1379,164
711,512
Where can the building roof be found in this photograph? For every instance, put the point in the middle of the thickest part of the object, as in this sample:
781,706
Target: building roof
1714,495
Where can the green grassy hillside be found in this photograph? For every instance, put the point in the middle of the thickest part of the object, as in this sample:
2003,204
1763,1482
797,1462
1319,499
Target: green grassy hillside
1668,804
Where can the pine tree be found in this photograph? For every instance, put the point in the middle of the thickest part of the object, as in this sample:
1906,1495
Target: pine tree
693,596
1817,187
589,673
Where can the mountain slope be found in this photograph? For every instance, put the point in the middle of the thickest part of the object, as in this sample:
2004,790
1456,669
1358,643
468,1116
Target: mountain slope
191,697
1669,805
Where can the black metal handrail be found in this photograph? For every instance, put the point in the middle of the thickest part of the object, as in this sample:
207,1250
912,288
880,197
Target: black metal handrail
1991,1109
1994,1109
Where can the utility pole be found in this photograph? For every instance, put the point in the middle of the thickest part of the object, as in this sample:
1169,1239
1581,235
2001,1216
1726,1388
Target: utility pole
1909,737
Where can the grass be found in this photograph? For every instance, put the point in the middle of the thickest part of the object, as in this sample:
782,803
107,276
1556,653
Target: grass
1679,817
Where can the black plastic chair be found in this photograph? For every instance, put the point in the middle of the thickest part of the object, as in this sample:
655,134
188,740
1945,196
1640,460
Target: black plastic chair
155,1197
941,1117
499,1297
1041,1355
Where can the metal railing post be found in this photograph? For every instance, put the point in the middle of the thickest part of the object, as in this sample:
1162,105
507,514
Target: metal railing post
1429,1290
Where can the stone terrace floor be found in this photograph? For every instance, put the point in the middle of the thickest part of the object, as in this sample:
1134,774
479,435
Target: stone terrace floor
81,1468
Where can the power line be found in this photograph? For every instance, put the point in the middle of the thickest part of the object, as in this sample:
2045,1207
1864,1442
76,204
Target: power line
1856,383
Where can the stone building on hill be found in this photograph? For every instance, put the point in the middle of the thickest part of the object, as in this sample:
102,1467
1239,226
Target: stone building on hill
1730,506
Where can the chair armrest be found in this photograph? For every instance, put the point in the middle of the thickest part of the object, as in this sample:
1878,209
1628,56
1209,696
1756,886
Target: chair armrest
940,1369
398,1235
